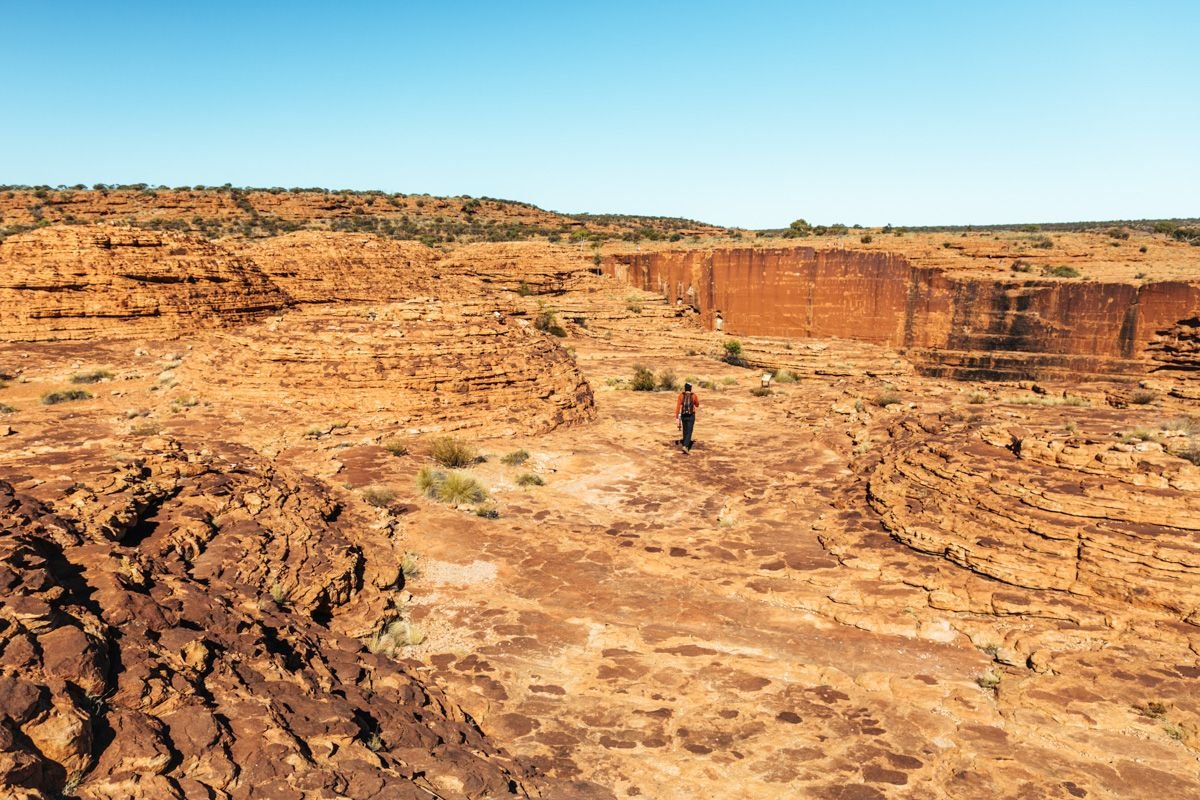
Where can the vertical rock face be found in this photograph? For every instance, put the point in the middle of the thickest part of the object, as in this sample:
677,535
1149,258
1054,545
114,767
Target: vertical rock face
77,282
951,325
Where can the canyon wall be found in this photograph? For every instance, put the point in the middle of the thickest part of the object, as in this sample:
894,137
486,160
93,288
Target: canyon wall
948,324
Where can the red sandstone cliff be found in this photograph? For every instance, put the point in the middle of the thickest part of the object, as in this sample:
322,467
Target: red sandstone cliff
949,324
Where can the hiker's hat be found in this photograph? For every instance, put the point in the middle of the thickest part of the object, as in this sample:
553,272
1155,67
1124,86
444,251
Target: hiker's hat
687,387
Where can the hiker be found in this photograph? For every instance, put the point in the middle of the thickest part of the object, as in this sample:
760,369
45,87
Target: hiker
720,323
685,415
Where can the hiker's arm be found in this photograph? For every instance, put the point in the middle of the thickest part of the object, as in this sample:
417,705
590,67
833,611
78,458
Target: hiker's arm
678,405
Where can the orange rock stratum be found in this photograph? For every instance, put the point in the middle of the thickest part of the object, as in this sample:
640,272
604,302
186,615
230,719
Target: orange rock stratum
953,551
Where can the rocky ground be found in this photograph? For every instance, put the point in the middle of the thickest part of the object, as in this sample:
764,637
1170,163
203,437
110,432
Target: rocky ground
221,577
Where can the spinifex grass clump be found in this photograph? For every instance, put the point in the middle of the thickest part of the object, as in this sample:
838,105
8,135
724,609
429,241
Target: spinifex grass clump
530,479
515,458
453,488
379,496
450,451
95,376
887,398
54,398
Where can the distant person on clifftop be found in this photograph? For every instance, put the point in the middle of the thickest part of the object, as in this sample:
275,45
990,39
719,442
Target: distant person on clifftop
685,415
720,323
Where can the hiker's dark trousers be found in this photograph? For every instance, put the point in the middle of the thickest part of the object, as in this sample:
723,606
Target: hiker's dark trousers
689,422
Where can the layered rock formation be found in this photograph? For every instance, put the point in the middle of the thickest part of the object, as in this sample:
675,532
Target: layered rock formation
949,325
84,282
170,631
426,363
1083,516
320,267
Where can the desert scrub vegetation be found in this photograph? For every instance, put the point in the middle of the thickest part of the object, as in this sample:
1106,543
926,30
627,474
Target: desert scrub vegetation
515,459
1052,400
667,382
452,488
394,636
530,479
1186,425
428,479
888,397
95,376
990,680
1060,272
453,452
547,321
643,379
410,566
378,496
977,398
395,447
633,305
733,353
65,396
761,391
785,376
1139,435
458,489
1143,397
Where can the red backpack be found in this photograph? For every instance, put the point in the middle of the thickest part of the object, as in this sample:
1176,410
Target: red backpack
689,406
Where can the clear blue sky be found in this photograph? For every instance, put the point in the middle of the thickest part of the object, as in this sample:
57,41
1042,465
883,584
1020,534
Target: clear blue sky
740,113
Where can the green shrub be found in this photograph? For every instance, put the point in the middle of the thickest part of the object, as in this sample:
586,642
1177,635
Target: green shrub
524,290
95,376
530,479
515,458
379,496
6,409
865,238
643,379
458,489
786,376
667,381
975,398
53,398
633,305
1021,265
450,451
487,512
760,391
733,353
1061,272
887,398
1044,242
548,322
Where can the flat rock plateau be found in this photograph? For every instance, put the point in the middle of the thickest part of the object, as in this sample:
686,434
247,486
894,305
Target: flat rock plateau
953,551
